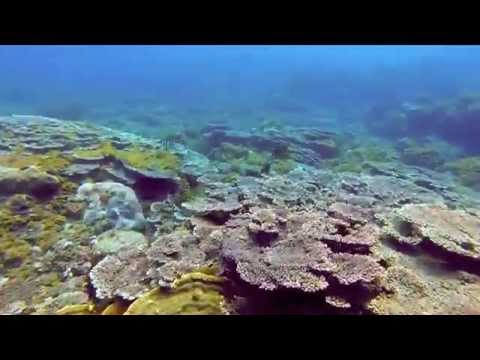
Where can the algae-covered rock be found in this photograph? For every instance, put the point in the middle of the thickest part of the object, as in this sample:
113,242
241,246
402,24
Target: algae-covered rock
112,241
30,180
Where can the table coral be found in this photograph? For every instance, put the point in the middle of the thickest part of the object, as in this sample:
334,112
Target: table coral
297,257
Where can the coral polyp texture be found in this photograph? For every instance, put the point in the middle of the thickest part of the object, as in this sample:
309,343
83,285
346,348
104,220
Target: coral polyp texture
216,219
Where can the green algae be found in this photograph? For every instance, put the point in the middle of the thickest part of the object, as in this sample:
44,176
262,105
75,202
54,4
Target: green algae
352,160
424,156
135,156
53,162
284,166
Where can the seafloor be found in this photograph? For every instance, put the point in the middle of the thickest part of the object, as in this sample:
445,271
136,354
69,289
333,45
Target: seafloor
275,219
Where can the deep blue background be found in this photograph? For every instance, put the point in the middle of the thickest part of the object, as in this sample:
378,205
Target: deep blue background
234,75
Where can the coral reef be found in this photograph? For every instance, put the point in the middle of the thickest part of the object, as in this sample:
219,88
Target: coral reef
276,219
421,156
219,210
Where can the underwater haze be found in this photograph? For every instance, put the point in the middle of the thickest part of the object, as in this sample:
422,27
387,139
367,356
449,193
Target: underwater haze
206,76
250,180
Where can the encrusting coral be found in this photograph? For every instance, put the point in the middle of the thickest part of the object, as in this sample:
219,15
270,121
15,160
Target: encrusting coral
195,293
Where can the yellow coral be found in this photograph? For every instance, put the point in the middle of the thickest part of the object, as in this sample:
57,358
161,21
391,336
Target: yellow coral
81,309
197,301
196,276
115,308
196,293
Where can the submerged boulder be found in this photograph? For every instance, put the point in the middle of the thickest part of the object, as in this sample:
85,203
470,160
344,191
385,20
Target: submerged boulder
111,205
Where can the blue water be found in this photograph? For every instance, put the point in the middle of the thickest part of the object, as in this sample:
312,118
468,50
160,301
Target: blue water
234,75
